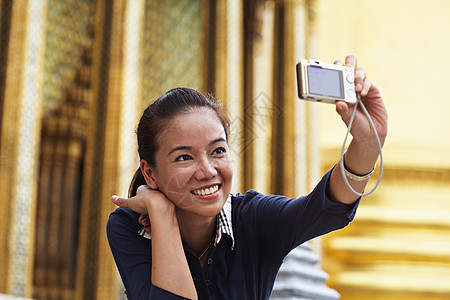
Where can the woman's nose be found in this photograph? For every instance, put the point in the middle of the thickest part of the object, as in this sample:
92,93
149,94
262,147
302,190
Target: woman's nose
206,170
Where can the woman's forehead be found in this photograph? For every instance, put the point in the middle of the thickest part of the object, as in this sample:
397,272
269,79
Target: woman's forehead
197,125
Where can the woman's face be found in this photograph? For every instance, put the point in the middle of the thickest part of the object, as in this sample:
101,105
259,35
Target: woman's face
193,165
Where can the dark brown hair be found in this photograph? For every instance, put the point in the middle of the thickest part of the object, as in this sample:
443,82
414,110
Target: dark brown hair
157,117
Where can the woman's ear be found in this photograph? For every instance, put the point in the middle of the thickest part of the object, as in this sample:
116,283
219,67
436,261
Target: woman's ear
148,174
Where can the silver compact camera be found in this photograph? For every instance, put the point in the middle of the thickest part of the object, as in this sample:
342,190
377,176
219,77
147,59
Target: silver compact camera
321,82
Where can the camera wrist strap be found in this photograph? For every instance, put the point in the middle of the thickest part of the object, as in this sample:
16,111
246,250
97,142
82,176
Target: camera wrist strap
344,176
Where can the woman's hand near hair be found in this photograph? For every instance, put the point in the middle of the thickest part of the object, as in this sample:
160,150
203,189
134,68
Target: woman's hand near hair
139,203
145,199
170,270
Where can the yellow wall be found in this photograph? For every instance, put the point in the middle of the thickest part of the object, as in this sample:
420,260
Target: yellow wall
405,48
398,247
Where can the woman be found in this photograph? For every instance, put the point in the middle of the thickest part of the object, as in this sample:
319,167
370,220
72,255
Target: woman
182,235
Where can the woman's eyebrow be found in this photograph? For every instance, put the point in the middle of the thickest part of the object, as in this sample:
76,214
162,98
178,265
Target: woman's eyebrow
190,148
179,148
217,140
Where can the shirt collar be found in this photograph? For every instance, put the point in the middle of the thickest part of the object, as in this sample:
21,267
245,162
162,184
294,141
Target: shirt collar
224,225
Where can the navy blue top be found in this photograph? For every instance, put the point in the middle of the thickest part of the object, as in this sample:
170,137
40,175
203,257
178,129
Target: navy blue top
265,229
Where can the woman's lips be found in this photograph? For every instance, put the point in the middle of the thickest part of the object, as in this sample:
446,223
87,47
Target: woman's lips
206,191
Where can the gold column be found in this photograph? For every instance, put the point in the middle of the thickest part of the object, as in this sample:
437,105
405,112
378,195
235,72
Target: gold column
109,160
307,154
106,279
234,48
285,96
8,142
306,123
92,202
20,144
269,123
229,77
262,109
120,157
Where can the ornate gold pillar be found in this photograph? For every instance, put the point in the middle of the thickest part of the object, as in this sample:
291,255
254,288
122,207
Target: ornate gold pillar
261,108
111,157
22,106
308,170
284,135
228,71
257,46
120,159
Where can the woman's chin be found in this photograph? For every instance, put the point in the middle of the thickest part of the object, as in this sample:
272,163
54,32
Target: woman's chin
204,205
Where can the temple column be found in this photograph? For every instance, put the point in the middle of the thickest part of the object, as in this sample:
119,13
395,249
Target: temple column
21,106
111,157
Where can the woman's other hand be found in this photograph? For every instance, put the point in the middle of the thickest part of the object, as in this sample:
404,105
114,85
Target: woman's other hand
146,202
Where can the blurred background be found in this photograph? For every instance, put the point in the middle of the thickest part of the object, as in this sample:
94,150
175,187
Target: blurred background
75,75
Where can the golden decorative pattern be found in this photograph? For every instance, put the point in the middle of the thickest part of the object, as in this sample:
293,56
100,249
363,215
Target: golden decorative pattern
102,61
120,156
173,49
12,75
23,196
233,72
67,35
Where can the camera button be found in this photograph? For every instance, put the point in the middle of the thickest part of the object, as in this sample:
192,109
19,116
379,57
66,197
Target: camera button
351,93
350,77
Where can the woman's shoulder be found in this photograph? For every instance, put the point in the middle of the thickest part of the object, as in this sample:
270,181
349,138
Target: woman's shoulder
123,213
253,197
122,220
252,201
246,198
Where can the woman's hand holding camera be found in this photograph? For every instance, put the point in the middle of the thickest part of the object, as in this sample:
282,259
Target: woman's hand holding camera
373,101
363,151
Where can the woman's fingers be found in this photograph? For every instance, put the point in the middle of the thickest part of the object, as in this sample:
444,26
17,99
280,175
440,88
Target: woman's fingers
144,220
119,201
339,62
360,74
135,203
146,200
351,61
343,110
367,85
360,77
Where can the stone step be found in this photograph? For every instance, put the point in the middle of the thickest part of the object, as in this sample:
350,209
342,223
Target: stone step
394,280
431,217
392,234
418,245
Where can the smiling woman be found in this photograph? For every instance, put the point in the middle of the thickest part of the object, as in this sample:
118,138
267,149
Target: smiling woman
192,160
181,234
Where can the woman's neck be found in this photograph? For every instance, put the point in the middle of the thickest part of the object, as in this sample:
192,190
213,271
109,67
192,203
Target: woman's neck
196,231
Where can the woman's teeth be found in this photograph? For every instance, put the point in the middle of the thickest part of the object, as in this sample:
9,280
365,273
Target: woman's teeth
203,192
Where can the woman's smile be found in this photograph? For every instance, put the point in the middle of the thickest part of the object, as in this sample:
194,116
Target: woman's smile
206,191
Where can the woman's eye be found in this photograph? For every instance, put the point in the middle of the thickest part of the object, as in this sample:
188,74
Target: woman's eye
219,150
183,157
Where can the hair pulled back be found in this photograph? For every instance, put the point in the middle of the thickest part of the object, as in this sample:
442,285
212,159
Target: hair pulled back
158,116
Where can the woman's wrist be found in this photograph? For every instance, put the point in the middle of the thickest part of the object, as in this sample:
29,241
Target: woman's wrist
360,158
161,208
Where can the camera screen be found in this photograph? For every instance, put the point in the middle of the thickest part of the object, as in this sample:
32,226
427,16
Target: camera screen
325,82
